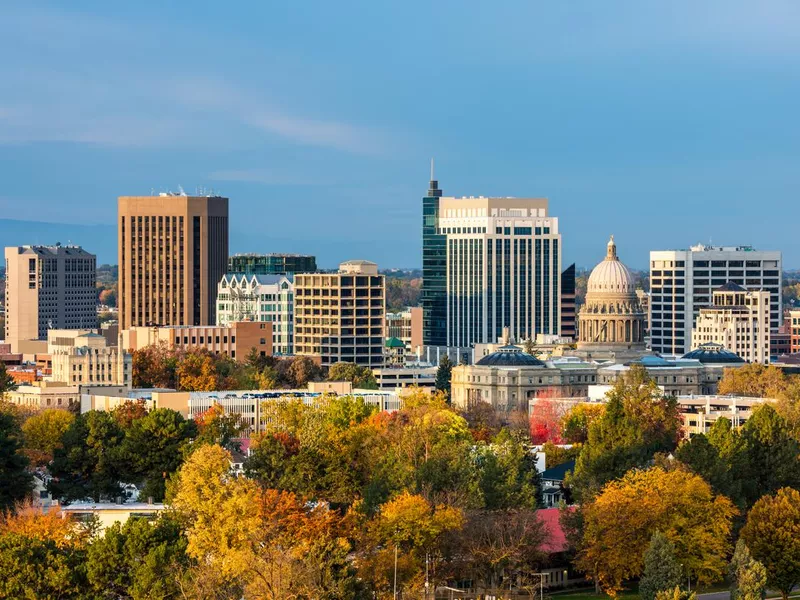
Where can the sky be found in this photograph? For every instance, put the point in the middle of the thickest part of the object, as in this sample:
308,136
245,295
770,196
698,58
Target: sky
664,123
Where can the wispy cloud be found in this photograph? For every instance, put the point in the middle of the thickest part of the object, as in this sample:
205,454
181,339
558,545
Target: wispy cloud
65,95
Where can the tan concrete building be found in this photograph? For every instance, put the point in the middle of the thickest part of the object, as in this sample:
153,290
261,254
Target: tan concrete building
48,287
235,340
173,251
611,320
739,320
84,358
406,326
339,317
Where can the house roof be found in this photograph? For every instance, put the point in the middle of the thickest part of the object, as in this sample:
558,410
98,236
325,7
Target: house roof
556,540
730,287
558,472
509,356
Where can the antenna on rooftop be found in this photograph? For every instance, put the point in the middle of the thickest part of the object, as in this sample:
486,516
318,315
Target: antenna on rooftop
180,190
431,169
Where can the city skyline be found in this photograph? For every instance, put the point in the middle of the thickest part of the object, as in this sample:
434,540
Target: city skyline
681,113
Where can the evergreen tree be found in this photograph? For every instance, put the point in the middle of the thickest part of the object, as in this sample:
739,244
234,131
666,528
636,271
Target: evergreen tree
661,570
748,576
15,481
443,375
7,383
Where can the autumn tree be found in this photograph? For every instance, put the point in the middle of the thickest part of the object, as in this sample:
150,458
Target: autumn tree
754,379
545,422
748,576
129,411
415,527
482,419
558,455
301,370
638,421
500,543
576,423
88,465
15,481
30,521
155,366
43,433
771,534
197,371
661,570
217,426
361,377
619,523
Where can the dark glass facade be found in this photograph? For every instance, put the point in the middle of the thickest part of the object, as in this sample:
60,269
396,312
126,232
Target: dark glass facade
568,302
272,264
434,272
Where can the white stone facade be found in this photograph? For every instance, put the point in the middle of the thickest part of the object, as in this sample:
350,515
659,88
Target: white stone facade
739,321
682,282
262,298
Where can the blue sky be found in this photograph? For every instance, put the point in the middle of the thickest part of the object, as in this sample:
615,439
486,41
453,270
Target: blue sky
664,123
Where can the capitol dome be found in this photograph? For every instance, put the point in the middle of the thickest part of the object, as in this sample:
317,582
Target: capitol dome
611,318
611,276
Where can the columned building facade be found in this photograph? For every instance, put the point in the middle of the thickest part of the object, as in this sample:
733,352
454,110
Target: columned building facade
612,319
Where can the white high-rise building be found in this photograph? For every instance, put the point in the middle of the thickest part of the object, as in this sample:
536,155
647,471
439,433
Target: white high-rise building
503,268
738,321
263,298
683,281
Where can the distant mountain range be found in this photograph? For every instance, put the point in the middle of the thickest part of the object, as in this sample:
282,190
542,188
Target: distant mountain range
97,239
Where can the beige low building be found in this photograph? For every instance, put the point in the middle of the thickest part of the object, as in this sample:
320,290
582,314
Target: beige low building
410,375
235,340
509,379
739,320
84,358
56,394
699,413
107,514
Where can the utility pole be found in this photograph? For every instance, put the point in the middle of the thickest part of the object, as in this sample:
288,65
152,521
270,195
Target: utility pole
394,595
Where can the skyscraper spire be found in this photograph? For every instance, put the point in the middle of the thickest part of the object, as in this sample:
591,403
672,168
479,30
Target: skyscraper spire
433,186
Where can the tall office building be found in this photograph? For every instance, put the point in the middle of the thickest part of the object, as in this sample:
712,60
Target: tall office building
433,297
568,315
503,269
339,317
272,264
48,287
682,282
173,251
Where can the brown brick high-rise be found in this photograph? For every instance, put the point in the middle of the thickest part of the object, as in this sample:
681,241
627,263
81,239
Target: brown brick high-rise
173,250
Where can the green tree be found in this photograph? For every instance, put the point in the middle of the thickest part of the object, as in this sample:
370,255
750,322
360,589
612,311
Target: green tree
88,464
15,481
43,432
508,475
360,377
703,458
638,422
661,570
139,560
771,534
444,374
39,569
748,576
772,452
7,383
154,448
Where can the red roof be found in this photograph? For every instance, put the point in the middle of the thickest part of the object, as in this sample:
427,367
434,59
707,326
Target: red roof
556,540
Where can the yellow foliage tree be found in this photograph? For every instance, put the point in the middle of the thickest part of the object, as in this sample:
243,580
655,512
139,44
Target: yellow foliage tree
754,380
620,521
197,372
30,521
43,433
220,511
